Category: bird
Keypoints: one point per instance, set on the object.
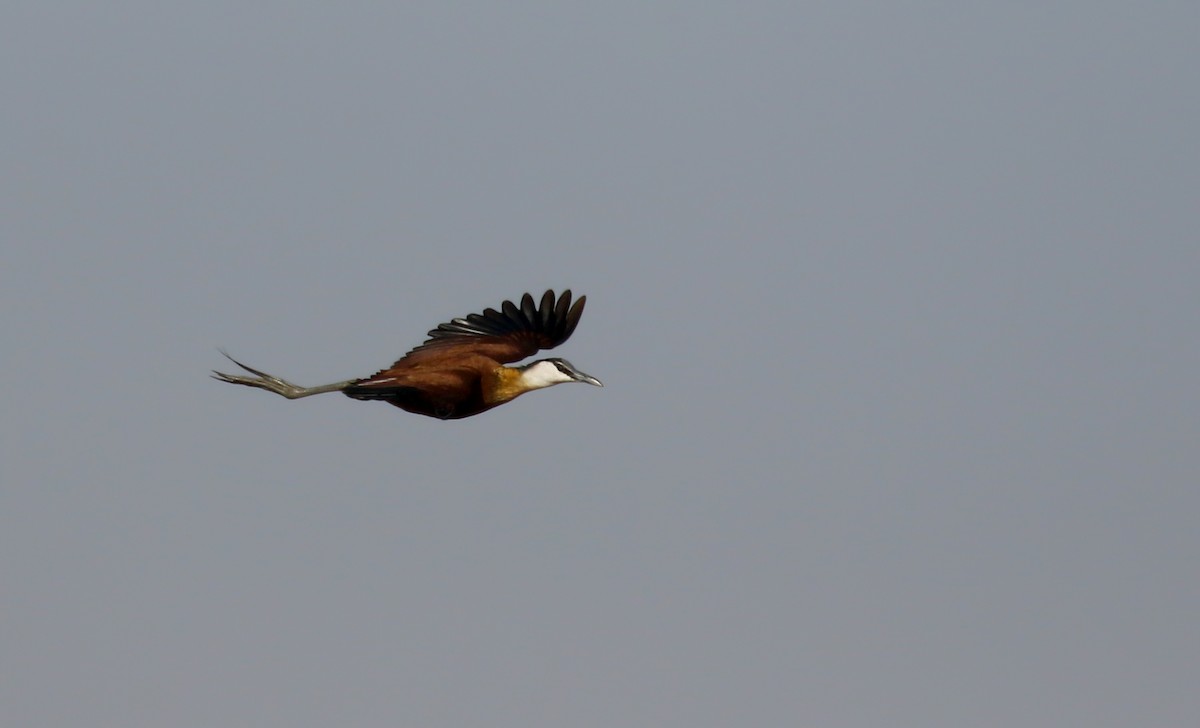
(459, 371)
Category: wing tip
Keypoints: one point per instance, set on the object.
(553, 320)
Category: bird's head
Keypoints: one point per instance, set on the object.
(548, 372)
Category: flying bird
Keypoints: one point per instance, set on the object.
(460, 369)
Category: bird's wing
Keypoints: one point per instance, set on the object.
(510, 334)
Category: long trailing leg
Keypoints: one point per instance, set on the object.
(271, 383)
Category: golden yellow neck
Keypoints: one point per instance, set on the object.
(504, 384)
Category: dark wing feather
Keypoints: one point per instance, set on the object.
(510, 334)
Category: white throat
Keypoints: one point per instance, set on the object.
(543, 374)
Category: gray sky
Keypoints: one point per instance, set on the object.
(895, 306)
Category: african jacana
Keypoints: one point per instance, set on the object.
(459, 371)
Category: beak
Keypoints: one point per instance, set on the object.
(581, 377)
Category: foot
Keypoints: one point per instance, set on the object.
(261, 380)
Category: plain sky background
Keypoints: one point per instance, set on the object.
(896, 306)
